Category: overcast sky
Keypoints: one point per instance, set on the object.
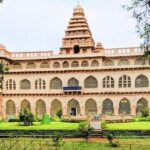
(33, 25)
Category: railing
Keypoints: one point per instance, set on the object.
(72, 88)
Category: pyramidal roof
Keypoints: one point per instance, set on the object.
(78, 31)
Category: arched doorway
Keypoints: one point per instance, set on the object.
(55, 107)
(108, 107)
(25, 105)
(73, 108)
(90, 107)
(10, 108)
(40, 108)
(124, 107)
(76, 49)
(141, 104)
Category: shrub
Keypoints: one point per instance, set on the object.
(103, 125)
(145, 112)
(13, 120)
(82, 125)
(59, 113)
(26, 117)
(56, 138)
(73, 120)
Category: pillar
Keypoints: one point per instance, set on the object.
(116, 110)
(133, 110)
(82, 111)
(1, 107)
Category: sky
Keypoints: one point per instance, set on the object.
(36, 25)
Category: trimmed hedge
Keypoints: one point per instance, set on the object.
(128, 133)
(39, 133)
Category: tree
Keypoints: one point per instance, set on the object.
(141, 12)
(59, 113)
(1, 1)
(26, 117)
(145, 112)
(3, 70)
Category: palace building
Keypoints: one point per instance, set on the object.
(83, 79)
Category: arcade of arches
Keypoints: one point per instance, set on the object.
(74, 107)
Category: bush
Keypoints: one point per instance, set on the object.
(59, 113)
(145, 112)
(73, 120)
(140, 119)
(56, 138)
(103, 125)
(82, 125)
(13, 120)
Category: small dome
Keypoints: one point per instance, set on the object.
(78, 9)
(99, 45)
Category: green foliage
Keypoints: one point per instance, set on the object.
(112, 142)
(103, 125)
(56, 138)
(145, 112)
(86, 131)
(141, 12)
(72, 120)
(82, 125)
(46, 119)
(26, 117)
(14, 120)
(59, 113)
(3, 69)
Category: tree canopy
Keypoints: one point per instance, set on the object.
(141, 12)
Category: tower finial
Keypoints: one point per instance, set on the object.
(78, 2)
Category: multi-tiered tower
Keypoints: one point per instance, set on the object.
(78, 37)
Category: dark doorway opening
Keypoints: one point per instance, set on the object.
(76, 49)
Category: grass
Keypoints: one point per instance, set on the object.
(39, 126)
(129, 126)
(32, 143)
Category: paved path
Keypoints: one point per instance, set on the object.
(96, 125)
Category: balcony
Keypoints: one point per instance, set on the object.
(72, 89)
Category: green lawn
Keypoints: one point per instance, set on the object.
(129, 126)
(38, 126)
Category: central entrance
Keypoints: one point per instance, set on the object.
(73, 111)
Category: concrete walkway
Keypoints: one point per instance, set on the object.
(96, 125)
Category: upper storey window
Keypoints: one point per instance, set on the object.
(123, 62)
(90, 82)
(124, 81)
(139, 61)
(65, 64)
(55, 83)
(10, 84)
(76, 49)
(75, 64)
(56, 65)
(108, 62)
(141, 81)
(31, 65)
(95, 63)
(40, 84)
(44, 65)
(84, 64)
(17, 66)
(73, 82)
(108, 82)
(25, 84)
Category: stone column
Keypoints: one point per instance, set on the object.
(64, 107)
(133, 110)
(82, 111)
(99, 109)
(1, 107)
(48, 109)
(116, 110)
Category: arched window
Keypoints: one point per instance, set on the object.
(16, 66)
(90, 107)
(40, 108)
(55, 83)
(10, 108)
(10, 84)
(31, 65)
(141, 81)
(73, 107)
(94, 63)
(107, 107)
(40, 84)
(139, 61)
(65, 64)
(56, 65)
(124, 106)
(73, 82)
(44, 65)
(84, 64)
(124, 81)
(90, 82)
(108, 82)
(25, 104)
(25, 84)
(55, 107)
(75, 64)
(141, 104)
(108, 62)
(123, 62)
